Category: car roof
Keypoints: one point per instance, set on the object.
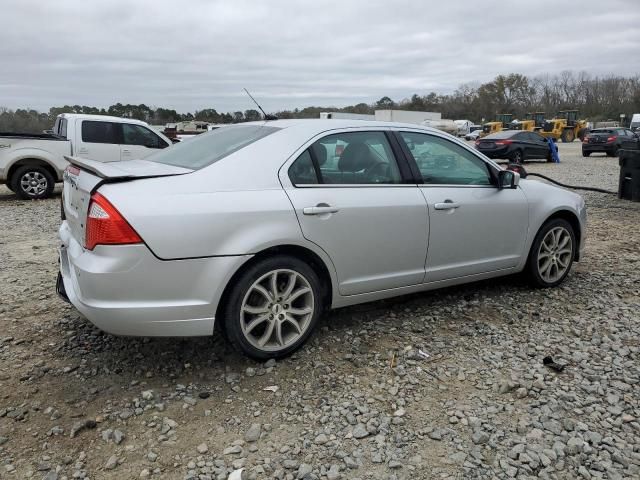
(315, 126)
(504, 134)
(104, 118)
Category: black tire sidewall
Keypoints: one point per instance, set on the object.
(231, 310)
(515, 154)
(19, 173)
(532, 262)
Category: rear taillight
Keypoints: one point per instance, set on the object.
(612, 138)
(106, 226)
(504, 142)
(477, 141)
(585, 139)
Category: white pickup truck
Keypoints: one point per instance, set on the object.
(30, 165)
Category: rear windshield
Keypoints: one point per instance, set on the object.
(208, 148)
(603, 130)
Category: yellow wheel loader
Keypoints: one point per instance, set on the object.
(503, 121)
(565, 127)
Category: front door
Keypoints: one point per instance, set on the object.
(139, 142)
(352, 200)
(474, 226)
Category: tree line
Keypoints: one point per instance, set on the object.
(597, 98)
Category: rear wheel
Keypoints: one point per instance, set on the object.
(613, 153)
(32, 182)
(567, 136)
(552, 253)
(517, 156)
(273, 307)
(586, 154)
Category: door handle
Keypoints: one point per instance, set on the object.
(126, 151)
(446, 205)
(319, 210)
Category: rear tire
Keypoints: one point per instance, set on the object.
(273, 307)
(614, 153)
(586, 154)
(552, 253)
(32, 182)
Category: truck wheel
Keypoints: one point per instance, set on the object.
(32, 182)
(567, 136)
(582, 133)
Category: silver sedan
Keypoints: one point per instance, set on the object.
(259, 228)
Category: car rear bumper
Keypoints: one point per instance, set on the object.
(126, 290)
(595, 147)
(502, 152)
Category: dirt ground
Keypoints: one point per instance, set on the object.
(360, 401)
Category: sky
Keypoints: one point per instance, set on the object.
(197, 54)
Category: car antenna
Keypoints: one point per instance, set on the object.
(266, 117)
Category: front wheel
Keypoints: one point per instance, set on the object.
(32, 182)
(273, 307)
(552, 253)
(517, 156)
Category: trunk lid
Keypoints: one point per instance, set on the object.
(83, 177)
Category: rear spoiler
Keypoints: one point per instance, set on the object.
(129, 169)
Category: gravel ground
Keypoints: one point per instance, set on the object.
(361, 400)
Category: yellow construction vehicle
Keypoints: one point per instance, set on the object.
(565, 127)
(532, 122)
(503, 120)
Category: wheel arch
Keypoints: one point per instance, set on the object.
(573, 220)
(35, 162)
(297, 251)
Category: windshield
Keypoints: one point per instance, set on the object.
(210, 147)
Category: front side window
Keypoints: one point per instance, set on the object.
(99, 132)
(139, 135)
(358, 158)
(442, 162)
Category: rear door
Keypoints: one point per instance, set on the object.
(139, 141)
(474, 226)
(352, 198)
(98, 140)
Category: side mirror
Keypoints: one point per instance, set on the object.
(508, 179)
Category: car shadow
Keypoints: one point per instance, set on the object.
(211, 357)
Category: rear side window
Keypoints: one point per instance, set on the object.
(353, 158)
(63, 128)
(208, 148)
(99, 132)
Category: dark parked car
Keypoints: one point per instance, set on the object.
(607, 140)
(515, 145)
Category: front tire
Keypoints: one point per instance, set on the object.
(517, 156)
(32, 182)
(567, 136)
(273, 307)
(552, 253)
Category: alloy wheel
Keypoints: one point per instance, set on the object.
(33, 184)
(277, 310)
(554, 254)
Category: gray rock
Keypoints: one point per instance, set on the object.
(360, 431)
(253, 433)
(112, 463)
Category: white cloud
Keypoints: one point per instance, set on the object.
(198, 54)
